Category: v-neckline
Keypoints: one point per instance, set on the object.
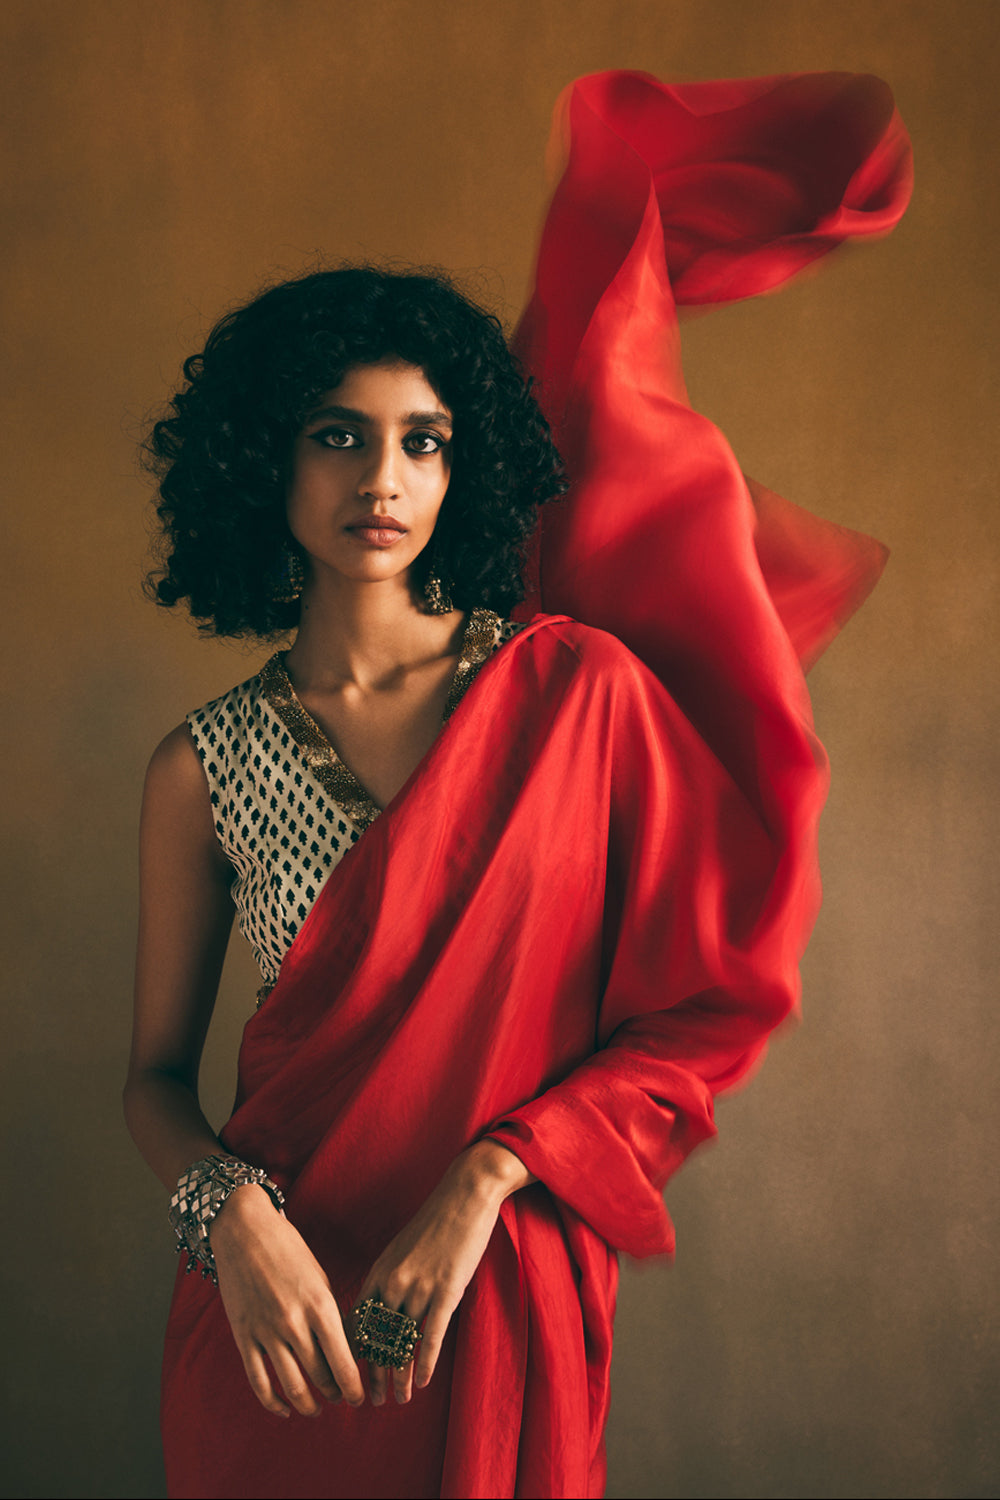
(333, 774)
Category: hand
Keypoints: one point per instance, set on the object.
(279, 1305)
(427, 1267)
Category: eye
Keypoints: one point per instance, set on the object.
(423, 442)
(336, 437)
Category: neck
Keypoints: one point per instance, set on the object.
(365, 633)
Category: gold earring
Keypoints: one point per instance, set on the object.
(288, 577)
(437, 598)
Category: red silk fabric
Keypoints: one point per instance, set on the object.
(583, 914)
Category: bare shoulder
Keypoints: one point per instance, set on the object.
(176, 802)
(175, 772)
(175, 759)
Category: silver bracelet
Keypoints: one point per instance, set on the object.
(201, 1192)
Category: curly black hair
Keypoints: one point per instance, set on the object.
(222, 455)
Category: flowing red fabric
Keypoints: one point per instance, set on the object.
(583, 914)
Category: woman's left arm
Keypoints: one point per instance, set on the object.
(425, 1270)
(706, 910)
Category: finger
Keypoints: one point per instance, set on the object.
(435, 1329)
(402, 1380)
(260, 1381)
(368, 1290)
(378, 1383)
(331, 1338)
(312, 1358)
(293, 1380)
(379, 1378)
(402, 1383)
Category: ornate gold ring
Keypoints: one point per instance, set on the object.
(384, 1337)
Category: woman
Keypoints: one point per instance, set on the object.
(552, 907)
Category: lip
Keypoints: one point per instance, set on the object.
(377, 531)
(377, 523)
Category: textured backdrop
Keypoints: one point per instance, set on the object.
(828, 1328)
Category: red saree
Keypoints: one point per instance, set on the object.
(583, 914)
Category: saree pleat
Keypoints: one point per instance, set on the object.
(583, 914)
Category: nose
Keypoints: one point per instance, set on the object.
(379, 479)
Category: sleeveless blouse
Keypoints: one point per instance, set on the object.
(286, 807)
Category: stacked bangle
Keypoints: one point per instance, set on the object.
(201, 1192)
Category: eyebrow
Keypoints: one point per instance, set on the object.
(351, 414)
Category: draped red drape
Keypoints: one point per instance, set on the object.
(584, 912)
(672, 196)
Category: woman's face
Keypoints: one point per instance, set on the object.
(370, 469)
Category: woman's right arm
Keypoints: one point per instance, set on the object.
(275, 1293)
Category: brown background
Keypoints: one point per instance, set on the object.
(827, 1328)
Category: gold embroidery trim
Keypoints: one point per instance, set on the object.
(337, 779)
(477, 647)
(314, 747)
